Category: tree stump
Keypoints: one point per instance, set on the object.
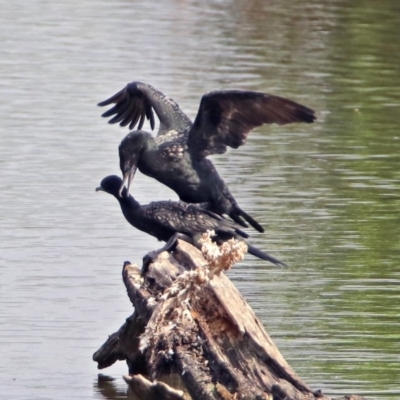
(191, 320)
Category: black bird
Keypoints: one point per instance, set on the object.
(177, 156)
(171, 220)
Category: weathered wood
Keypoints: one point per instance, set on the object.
(148, 390)
(189, 318)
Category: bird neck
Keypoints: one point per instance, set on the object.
(142, 140)
(128, 202)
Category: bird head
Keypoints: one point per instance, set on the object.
(111, 184)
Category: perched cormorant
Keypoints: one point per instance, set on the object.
(177, 156)
(170, 220)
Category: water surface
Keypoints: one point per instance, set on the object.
(328, 193)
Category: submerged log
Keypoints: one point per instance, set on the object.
(191, 320)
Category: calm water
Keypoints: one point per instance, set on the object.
(329, 193)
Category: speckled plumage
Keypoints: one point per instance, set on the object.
(164, 219)
(177, 156)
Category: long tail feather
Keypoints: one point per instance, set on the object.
(237, 214)
(264, 256)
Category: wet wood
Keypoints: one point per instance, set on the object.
(145, 389)
(191, 320)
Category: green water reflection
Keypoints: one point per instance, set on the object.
(337, 192)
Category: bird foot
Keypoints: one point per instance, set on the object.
(151, 257)
(169, 247)
(148, 259)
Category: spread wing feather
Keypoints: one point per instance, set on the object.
(226, 117)
(136, 102)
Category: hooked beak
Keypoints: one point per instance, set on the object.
(128, 178)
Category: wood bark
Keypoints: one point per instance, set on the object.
(190, 319)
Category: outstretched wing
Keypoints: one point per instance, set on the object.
(226, 117)
(136, 102)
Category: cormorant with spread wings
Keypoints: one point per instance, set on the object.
(176, 157)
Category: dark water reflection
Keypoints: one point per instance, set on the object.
(328, 193)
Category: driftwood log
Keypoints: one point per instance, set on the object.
(189, 319)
